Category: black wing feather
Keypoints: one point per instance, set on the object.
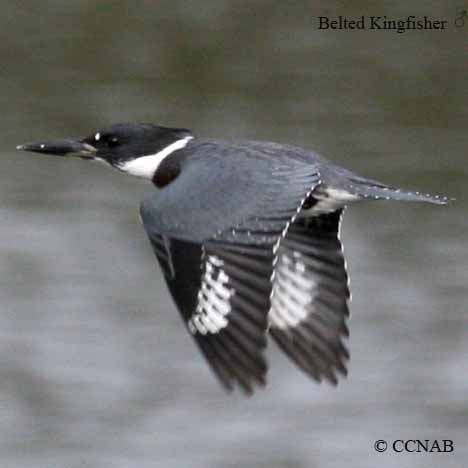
(310, 297)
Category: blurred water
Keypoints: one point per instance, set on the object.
(95, 367)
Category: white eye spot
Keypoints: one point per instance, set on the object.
(42, 146)
(97, 137)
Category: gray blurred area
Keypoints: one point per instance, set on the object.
(96, 369)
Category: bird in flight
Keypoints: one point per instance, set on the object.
(247, 236)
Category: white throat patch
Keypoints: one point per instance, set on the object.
(146, 166)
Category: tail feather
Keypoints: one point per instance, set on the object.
(366, 188)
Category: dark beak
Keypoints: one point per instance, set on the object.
(61, 148)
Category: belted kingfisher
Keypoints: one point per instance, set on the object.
(247, 235)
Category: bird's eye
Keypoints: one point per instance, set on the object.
(112, 141)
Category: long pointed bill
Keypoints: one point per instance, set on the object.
(60, 148)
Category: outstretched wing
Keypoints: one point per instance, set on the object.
(309, 304)
(215, 230)
(223, 296)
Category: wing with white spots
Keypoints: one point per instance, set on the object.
(309, 304)
(229, 319)
(215, 236)
(223, 293)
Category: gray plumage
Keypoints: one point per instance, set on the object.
(247, 235)
(223, 183)
(235, 197)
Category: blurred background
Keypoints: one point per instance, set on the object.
(96, 369)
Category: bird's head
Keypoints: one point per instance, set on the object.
(134, 148)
